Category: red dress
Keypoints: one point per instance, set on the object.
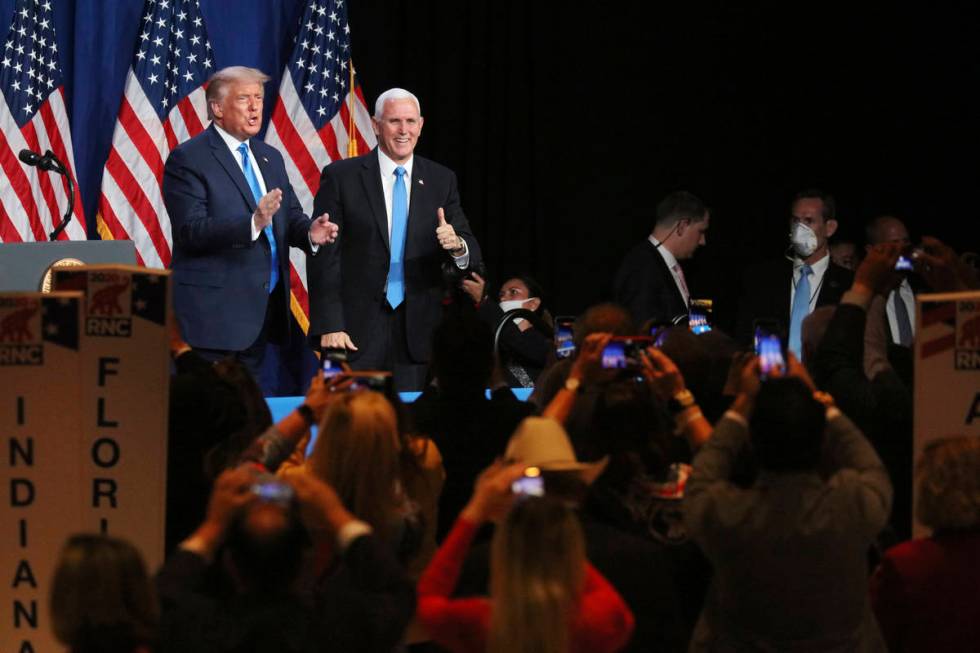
(603, 623)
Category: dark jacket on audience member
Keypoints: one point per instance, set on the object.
(470, 432)
(766, 291)
(364, 606)
(521, 352)
(880, 407)
(790, 552)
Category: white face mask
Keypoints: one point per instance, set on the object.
(803, 239)
(511, 304)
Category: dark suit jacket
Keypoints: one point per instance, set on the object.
(362, 607)
(645, 286)
(347, 279)
(766, 290)
(221, 276)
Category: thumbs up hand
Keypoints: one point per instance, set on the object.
(447, 235)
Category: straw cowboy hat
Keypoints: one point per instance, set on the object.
(542, 442)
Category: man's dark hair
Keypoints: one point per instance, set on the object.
(680, 205)
(462, 351)
(787, 426)
(268, 562)
(829, 204)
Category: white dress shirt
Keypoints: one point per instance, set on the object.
(675, 269)
(816, 279)
(233, 145)
(905, 293)
(388, 185)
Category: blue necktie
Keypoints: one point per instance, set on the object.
(902, 319)
(399, 225)
(801, 308)
(253, 183)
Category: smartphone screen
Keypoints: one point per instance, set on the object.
(564, 344)
(531, 484)
(770, 350)
(273, 491)
(904, 263)
(614, 355)
(700, 316)
(332, 361)
(659, 334)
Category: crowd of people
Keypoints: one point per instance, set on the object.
(694, 498)
(666, 487)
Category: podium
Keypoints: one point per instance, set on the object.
(23, 266)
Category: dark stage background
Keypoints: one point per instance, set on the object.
(567, 122)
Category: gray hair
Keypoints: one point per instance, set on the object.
(222, 79)
(394, 94)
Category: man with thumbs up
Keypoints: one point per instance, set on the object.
(377, 291)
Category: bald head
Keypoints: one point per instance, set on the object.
(886, 229)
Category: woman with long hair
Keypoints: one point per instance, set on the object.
(545, 597)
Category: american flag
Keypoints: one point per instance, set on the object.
(317, 119)
(33, 116)
(163, 106)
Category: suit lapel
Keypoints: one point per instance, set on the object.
(371, 179)
(271, 181)
(227, 161)
(415, 203)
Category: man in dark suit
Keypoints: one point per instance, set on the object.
(377, 292)
(650, 281)
(234, 216)
(769, 289)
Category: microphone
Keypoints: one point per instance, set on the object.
(30, 157)
(49, 163)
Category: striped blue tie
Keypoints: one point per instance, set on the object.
(253, 183)
(399, 226)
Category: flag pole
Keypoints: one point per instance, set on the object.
(351, 133)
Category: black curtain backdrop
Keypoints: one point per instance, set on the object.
(567, 122)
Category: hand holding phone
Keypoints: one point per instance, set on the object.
(770, 347)
(564, 343)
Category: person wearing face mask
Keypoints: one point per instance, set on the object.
(788, 289)
(525, 347)
(650, 282)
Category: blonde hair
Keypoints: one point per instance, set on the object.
(949, 484)
(537, 574)
(220, 81)
(357, 452)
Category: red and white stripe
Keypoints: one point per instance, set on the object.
(131, 204)
(306, 152)
(33, 202)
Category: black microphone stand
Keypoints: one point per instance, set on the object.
(51, 162)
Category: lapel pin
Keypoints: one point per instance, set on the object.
(421, 182)
(265, 160)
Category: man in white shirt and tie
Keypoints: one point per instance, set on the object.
(790, 288)
(650, 282)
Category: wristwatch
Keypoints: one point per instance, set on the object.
(680, 402)
(306, 413)
(573, 384)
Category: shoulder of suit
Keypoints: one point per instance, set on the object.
(352, 165)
